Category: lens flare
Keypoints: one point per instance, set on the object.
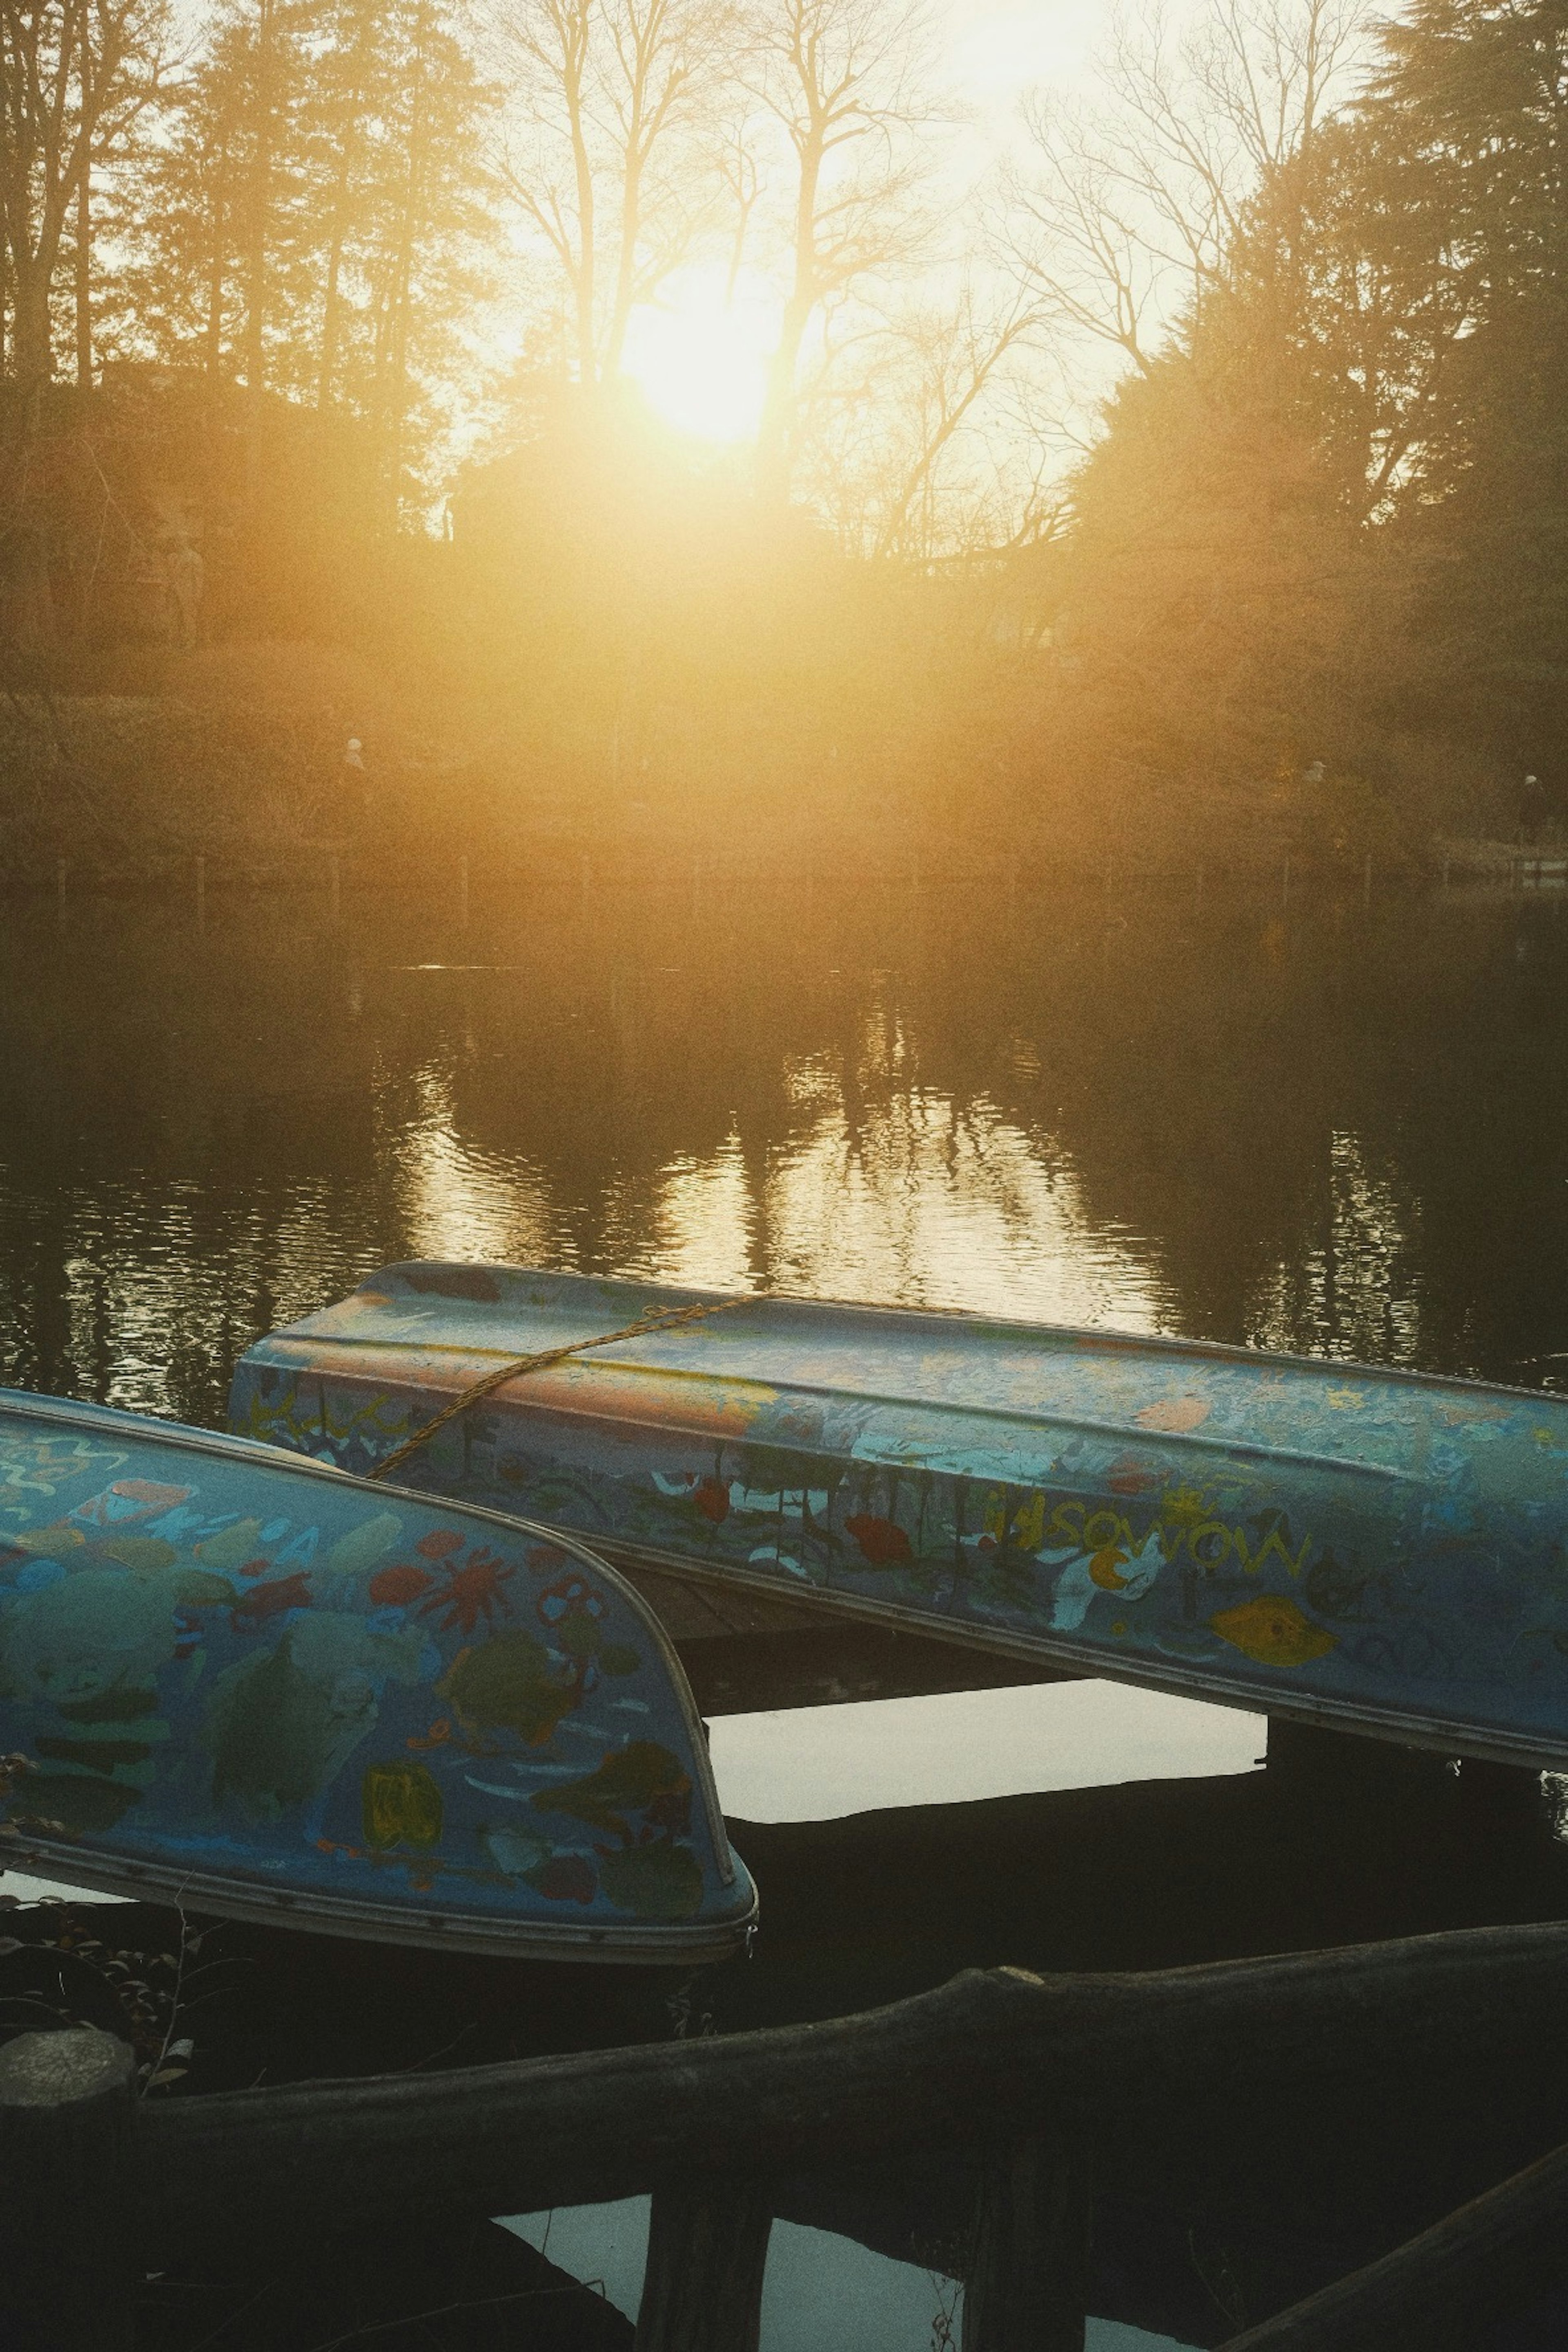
(699, 355)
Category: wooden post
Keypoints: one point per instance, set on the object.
(201, 894)
(707, 2253)
(585, 887)
(463, 892)
(335, 876)
(60, 887)
(1285, 892)
(1367, 882)
(696, 886)
(1199, 899)
(1029, 2275)
(68, 2191)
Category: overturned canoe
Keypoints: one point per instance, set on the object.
(264, 1689)
(1381, 1549)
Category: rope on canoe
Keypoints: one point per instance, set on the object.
(657, 1318)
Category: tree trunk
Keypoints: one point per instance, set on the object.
(775, 439)
(392, 403)
(34, 359)
(260, 203)
(587, 354)
(212, 335)
(333, 303)
(84, 227)
(83, 286)
(776, 435)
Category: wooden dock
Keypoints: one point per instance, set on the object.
(101, 2188)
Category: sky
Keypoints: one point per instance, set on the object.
(1000, 49)
(701, 353)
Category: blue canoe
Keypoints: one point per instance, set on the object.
(258, 1686)
(1377, 1550)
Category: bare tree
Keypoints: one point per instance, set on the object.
(610, 101)
(1128, 208)
(956, 355)
(739, 171)
(670, 57)
(545, 46)
(1081, 238)
(74, 75)
(848, 82)
(1272, 71)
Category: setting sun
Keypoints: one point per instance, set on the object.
(700, 355)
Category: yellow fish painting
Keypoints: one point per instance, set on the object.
(1273, 1630)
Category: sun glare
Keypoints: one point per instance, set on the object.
(701, 356)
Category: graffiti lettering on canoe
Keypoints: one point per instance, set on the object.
(126, 1500)
(42, 1465)
(1210, 1541)
(325, 1420)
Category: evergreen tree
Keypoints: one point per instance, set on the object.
(1334, 513)
(312, 219)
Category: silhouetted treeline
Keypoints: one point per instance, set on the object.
(1328, 525)
(320, 326)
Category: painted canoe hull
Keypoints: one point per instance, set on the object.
(1380, 1549)
(265, 1688)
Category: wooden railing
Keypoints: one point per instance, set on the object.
(98, 2188)
(578, 882)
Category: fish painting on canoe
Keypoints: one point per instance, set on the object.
(236, 1676)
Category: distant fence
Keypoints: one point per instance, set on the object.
(580, 879)
(98, 2188)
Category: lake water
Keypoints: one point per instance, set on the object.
(1318, 1126)
(1330, 1130)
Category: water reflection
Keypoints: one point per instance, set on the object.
(821, 2293)
(1340, 1133)
(818, 1764)
(1344, 1135)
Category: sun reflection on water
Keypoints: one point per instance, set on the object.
(1216, 1141)
(903, 1198)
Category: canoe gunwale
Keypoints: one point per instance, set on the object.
(344, 1915)
(1230, 1449)
(327, 1915)
(1006, 1327)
